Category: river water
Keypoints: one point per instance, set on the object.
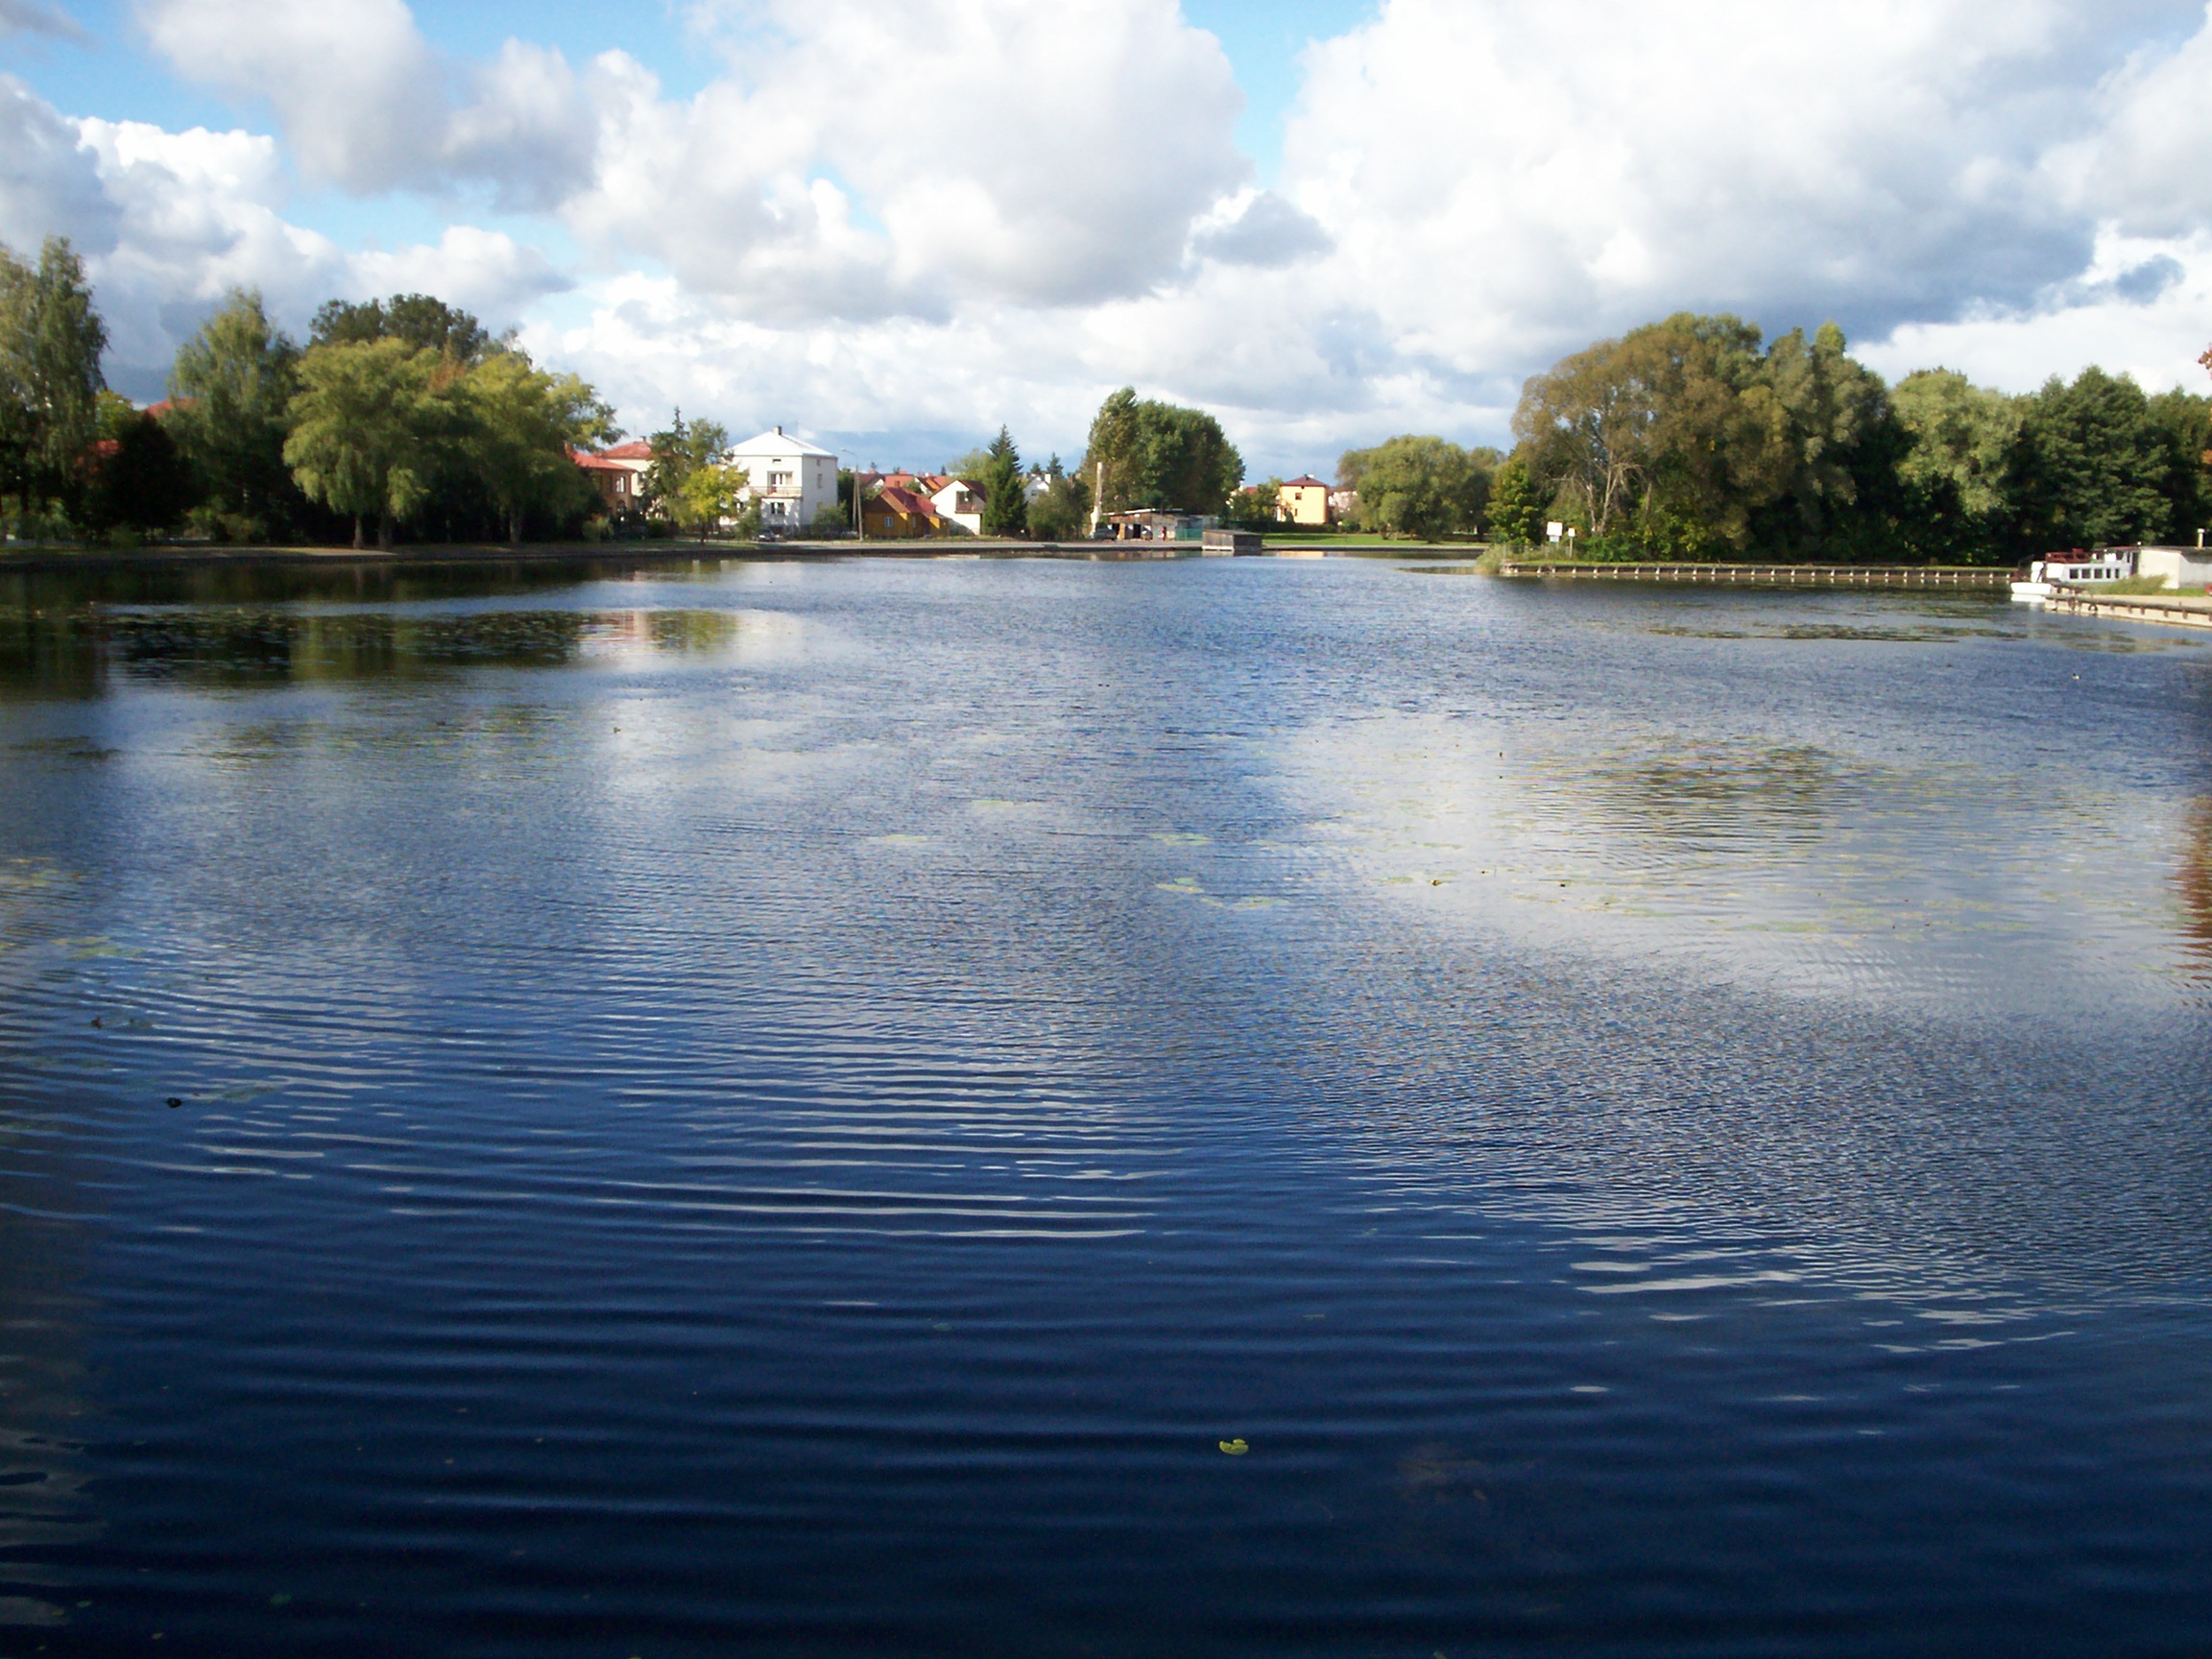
(1030, 1108)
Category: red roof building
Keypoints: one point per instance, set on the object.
(618, 474)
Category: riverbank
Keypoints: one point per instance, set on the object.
(645, 554)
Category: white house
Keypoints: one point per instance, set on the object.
(959, 501)
(792, 479)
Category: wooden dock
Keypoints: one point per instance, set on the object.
(2174, 609)
(1969, 576)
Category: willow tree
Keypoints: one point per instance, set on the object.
(364, 425)
(521, 428)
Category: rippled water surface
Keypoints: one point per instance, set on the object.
(1224, 1107)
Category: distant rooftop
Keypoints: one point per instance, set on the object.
(779, 443)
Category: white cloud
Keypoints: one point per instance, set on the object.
(201, 213)
(873, 160)
(485, 271)
(359, 92)
(942, 214)
(49, 186)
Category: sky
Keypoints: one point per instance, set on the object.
(895, 227)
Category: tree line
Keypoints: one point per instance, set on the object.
(1695, 438)
(398, 411)
(407, 414)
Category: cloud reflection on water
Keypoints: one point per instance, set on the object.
(1793, 865)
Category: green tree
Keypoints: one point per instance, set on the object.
(1005, 491)
(232, 390)
(425, 322)
(1685, 439)
(1957, 467)
(1415, 485)
(1162, 456)
(365, 423)
(1258, 507)
(2091, 467)
(521, 427)
(1843, 444)
(715, 491)
(1516, 517)
(137, 479)
(681, 449)
(2186, 420)
(1062, 509)
(1661, 442)
(51, 338)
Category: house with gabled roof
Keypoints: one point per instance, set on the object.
(959, 501)
(1303, 500)
(892, 513)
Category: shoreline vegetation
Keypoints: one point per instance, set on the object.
(1695, 439)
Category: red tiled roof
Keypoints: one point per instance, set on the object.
(592, 462)
(638, 449)
(906, 501)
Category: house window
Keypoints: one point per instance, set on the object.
(779, 480)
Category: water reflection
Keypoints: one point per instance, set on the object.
(2195, 881)
(1797, 865)
(51, 652)
(42, 1367)
(678, 1159)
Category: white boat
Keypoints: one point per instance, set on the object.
(2057, 573)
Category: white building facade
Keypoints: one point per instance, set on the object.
(960, 503)
(792, 479)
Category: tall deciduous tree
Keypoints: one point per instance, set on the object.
(684, 450)
(520, 428)
(1005, 491)
(1162, 456)
(1956, 466)
(2091, 466)
(364, 424)
(1684, 438)
(232, 390)
(51, 338)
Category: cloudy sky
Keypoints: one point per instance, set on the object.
(896, 226)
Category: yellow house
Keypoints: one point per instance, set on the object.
(1303, 500)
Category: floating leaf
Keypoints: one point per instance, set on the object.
(1236, 1448)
